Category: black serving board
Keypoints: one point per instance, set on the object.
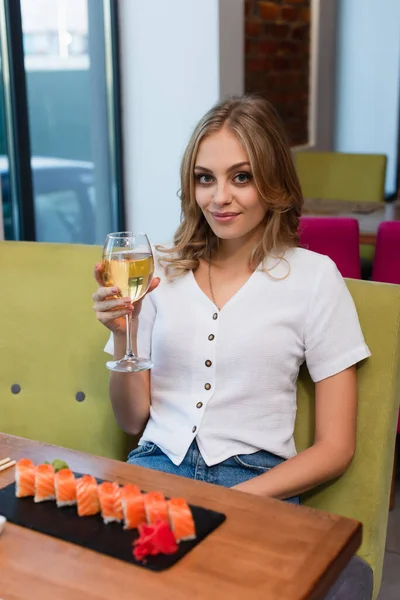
(92, 533)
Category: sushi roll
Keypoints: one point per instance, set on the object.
(132, 506)
(181, 519)
(65, 487)
(44, 483)
(86, 496)
(110, 502)
(156, 507)
(24, 478)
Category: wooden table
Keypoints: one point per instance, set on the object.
(368, 214)
(265, 549)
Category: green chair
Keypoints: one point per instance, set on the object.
(343, 176)
(51, 346)
(363, 491)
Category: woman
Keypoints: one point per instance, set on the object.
(234, 311)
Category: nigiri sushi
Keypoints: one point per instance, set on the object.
(44, 483)
(24, 478)
(110, 501)
(87, 496)
(65, 487)
(132, 506)
(181, 519)
(156, 507)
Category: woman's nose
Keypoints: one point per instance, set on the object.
(222, 194)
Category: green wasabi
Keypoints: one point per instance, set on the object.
(57, 464)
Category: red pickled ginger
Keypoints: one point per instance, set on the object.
(154, 539)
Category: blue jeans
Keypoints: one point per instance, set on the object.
(356, 580)
(228, 473)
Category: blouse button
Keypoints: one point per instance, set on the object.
(208, 363)
(194, 429)
(211, 337)
(199, 405)
(215, 316)
(207, 386)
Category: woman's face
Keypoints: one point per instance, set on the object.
(225, 189)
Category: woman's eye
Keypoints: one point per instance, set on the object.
(242, 178)
(204, 179)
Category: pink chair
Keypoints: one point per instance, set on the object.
(387, 253)
(336, 237)
(387, 258)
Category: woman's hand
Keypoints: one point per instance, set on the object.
(110, 309)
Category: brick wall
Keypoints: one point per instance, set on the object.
(277, 54)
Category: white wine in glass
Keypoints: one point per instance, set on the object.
(129, 265)
(131, 272)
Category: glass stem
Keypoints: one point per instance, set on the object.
(129, 350)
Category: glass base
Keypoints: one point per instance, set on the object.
(129, 364)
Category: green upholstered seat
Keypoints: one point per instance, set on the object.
(343, 176)
(52, 346)
(363, 491)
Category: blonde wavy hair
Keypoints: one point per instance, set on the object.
(260, 131)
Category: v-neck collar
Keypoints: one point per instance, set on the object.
(231, 300)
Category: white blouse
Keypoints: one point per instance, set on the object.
(228, 378)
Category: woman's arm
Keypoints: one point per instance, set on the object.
(129, 392)
(334, 445)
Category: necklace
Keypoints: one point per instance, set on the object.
(211, 288)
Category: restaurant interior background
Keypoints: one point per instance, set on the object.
(98, 98)
(111, 98)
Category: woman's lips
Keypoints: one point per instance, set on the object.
(225, 217)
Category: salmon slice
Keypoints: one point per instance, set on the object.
(86, 496)
(132, 506)
(44, 483)
(65, 486)
(156, 507)
(181, 518)
(110, 501)
(24, 478)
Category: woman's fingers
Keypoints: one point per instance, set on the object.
(107, 317)
(155, 283)
(107, 305)
(104, 292)
(98, 274)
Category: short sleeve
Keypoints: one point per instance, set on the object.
(333, 337)
(146, 322)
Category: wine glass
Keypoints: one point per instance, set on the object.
(129, 265)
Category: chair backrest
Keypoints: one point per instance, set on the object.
(386, 266)
(337, 237)
(387, 253)
(52, 347)
(363, 491)
(342, 176)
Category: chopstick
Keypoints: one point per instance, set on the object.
(6, 463)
